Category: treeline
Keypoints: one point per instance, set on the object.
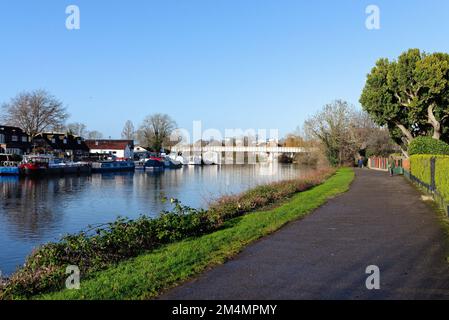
(39, 111)
(339, 134)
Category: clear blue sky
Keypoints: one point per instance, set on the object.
(230, 63)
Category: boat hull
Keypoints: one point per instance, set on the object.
(117, 166)
(9, 171)
(69, 170)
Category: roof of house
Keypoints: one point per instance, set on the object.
(58, 143)
(11, 130)
(109, 144)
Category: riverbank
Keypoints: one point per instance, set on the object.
(148, 275)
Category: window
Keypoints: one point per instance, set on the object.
(53, 140)
(14, 138)
(24, 139)
(65, 141)
(79, 141)
(2, 138)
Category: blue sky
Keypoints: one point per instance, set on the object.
(231, 64)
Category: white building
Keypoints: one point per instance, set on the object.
(117, 148)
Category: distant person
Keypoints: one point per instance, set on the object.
(391, 166)
(360, 163)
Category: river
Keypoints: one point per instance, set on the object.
(36, 211)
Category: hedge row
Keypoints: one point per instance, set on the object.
(420, 168)
(103, 246)
(442, 176)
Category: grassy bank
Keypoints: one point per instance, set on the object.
(147, 275)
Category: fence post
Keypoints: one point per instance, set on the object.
(432, 174)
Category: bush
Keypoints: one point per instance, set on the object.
(420, 167)
(101, 246)
(442, 176)
(428, 145)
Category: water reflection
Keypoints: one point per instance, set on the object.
(35, 211)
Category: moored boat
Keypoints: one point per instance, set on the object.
(154, 164)
(38, 165)
(169, 163)
(8, 165)
(113, 166)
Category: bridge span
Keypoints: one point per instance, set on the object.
(231, 149)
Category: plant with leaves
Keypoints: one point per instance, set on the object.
(410, 96)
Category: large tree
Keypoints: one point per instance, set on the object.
(410, 96)
(345, 133)
(155, 131)
(35, 112)
(128, 132)
(331, 126)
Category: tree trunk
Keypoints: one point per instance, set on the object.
(408, 135)
(434, 122)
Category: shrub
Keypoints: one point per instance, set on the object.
(428, 145)
(101, 246)
(420, 167)
(442, 176)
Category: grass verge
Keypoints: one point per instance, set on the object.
(147, 275)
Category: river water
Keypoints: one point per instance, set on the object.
(36, 211)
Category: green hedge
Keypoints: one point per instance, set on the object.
(428, 145)
(420, 167)
(442, 176)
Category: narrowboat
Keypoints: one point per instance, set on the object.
(113, 166)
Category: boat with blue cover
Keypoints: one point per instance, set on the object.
(113, 166)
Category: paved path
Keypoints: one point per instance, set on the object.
(380, 221)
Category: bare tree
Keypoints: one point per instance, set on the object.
(155, 131)
(128, 132)
(94, 135)
(35, 112)
(77, 128)
(347, 134)
(331, 126)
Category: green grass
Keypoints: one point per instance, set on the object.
(148, 275)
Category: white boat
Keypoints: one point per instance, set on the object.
(179, 158)
(195, 160)
(211, 158)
